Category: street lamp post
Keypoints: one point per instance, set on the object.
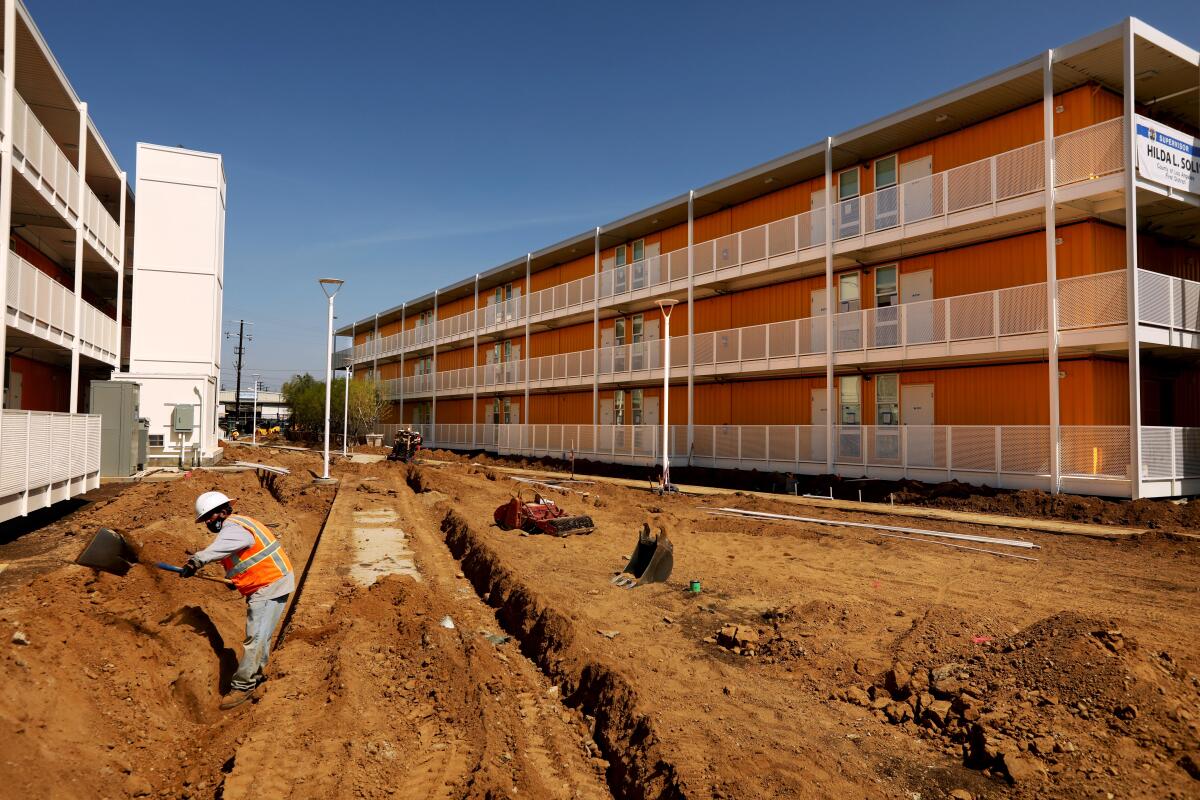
(666, 306)
(330, 287)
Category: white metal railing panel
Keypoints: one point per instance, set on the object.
(1088, 153)
(1092, 301)
(39, 449)
(1168, 302)
(1094, 451)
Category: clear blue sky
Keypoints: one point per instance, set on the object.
(403, 146)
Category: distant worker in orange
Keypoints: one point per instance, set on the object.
(256, 563)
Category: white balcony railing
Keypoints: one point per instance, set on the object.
(1170, 453)
(1168, 302)
(39, 305)
(102, 230)
(45, 165)
(1082, 155)
(979, 453)
(46, 458)
(1085, 302)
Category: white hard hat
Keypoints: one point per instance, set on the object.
(206, 502)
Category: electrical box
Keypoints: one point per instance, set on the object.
(117, 404)
(182, 419)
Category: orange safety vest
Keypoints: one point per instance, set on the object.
(260, 564)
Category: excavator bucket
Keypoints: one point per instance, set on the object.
(651, 562)
(109, 552)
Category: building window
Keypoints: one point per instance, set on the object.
(637, 323)
(848, 184)
(619, 331)
(636, 406)
(849, 298)
(887, 399)
(508, 412)
(622, 255)
(155, 440)
(619, 407)
(850, 407)
(885, 286)
(639, 250)
(885, 172)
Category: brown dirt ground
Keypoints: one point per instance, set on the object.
(1083, 678)
(815, 662)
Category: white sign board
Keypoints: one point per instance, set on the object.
(1167, 156)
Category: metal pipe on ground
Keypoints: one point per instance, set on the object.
(894, 528)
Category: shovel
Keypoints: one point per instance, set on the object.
(109, 552)
(651, 562)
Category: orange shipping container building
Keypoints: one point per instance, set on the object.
(995, 286)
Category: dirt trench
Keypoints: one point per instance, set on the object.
(625, 734)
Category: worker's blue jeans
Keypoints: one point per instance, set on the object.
(261, 618)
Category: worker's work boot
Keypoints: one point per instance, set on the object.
(235, 697)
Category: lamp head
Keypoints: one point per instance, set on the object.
(330, 286)
(666, 306)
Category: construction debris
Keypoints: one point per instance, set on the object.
(264, 467)
(877, 529)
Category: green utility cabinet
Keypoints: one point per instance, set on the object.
(117, 404)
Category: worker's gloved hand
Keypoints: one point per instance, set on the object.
(190, 568)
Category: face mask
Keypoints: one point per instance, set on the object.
(215, 525)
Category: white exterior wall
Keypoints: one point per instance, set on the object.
(178, 278)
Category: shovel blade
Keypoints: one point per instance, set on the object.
(108, 552)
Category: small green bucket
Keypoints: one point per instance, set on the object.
(694, 587)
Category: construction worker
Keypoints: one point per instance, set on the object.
(256, 563)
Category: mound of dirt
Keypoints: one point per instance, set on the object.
(1065, 700)
(117, 680)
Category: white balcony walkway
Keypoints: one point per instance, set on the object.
(1088, 161)
(41, 306)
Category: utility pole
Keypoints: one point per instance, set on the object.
(239, 351)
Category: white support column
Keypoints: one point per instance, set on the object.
(121, 276)
(6, 176)
(829, 303)
(475, 359)
(1131, 263)
(375, 344)
(596, 331)
(691, 330)
(525, 407)
(403, 308)
(1050, 195)
(82, 167)
(434, 376)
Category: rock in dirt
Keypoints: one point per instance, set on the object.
(20, 638)
(898, 678)
(1022, 769)
(857, 696)
(739, 636)
(938, 712)
(1190, 763)
(961, 794)
(137, 786)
